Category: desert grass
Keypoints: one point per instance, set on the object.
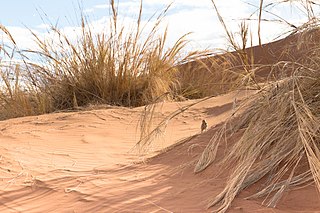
(118, 67)
(18, 100)
(279, 146)
(17, 97)
(281, 143)
(218, 72)
(280, 123)
(123, 66)
(211, 74)
(148, 133)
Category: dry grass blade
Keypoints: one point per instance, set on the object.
(124, 65)
(116, 67)
(6, 31)
(274, 140)
(301, 179)
(208, 75)
(17, 97)
(247, 64)
(147, 135)
(259, 22)
(273, 202)
(281, 144)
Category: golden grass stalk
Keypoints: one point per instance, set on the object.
(247, 73)
(207, 75)
(17, 97)
(281, 130)
(259, 22)
(147, 134)
(285, 140)
(115, 67)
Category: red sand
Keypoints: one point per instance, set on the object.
(82, 162)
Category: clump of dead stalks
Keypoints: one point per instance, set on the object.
(121, 65)
(280, 126)
(281, 139)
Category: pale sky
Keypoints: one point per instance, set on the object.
(184, 16)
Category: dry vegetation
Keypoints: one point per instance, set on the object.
(279, 146)
(119, 67)
(279, 149)
(282, 145)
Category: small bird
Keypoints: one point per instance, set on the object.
(204, 125)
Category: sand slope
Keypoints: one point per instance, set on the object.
(81, 162)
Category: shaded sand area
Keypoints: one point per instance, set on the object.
(82, 162)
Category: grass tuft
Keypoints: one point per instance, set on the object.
(123, 65)
(279, 146)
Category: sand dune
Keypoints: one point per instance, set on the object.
(81, 162)
(84, 162)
